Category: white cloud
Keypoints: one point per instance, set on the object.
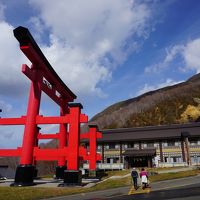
(11, 136)
(11, 59)
(88, 38)
(77, 70)
(50, 128)
(2, 8)
(147, 88)
(171, 53)
(7, 134)
(155, 68)
(86, 42)
(191, 55)
(6, 107)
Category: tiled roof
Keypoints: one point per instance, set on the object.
(174, 131)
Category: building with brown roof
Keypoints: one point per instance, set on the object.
(160, 146)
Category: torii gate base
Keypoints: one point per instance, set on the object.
(60, 172)
(24, 175)
(71, 177)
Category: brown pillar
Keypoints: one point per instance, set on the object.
(140, 145)
(185, 147)
(183, 150)
(102, 152)
(126, 162)
(188, 151)
(120, 152)
(149, 162)
(161, 151)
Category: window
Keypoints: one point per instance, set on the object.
(150, 144)
(108, 160)
(156, 145)
(165, 159)
(130, 145)
(112, 160)
(195, 159)
(165, 144)
(115, 160)
(136, 145)
(194, 142)
(171, 143)
(111, 146)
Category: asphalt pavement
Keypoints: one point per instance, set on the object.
(187, 192)
(177, 189)
(184, 188)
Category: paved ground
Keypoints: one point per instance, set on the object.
(185, 188)
(189, 192)
(173, 189)
(54, 183)
(39, 183)
(175, 183)
(49, 182)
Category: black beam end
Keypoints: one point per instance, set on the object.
(75, 105)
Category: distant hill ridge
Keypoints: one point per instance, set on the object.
(159, 107)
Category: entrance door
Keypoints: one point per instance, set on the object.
(142, 161)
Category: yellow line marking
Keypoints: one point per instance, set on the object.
(131, 190)
(138, 191)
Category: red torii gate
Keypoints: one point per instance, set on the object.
(69, 152)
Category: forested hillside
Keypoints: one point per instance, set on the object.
(169, 105)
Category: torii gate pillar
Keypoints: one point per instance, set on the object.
(26, 170)
(63, 139)
(72, 176)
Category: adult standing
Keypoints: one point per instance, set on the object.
(144, 178)
(134, 175)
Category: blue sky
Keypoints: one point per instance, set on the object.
(104, 50)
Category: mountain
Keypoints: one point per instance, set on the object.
(163, 106)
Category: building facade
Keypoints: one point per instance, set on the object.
(155, 146)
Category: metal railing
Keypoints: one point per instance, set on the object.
(106, 166)
(172, 164)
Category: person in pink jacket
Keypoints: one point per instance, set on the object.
(144, 178)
